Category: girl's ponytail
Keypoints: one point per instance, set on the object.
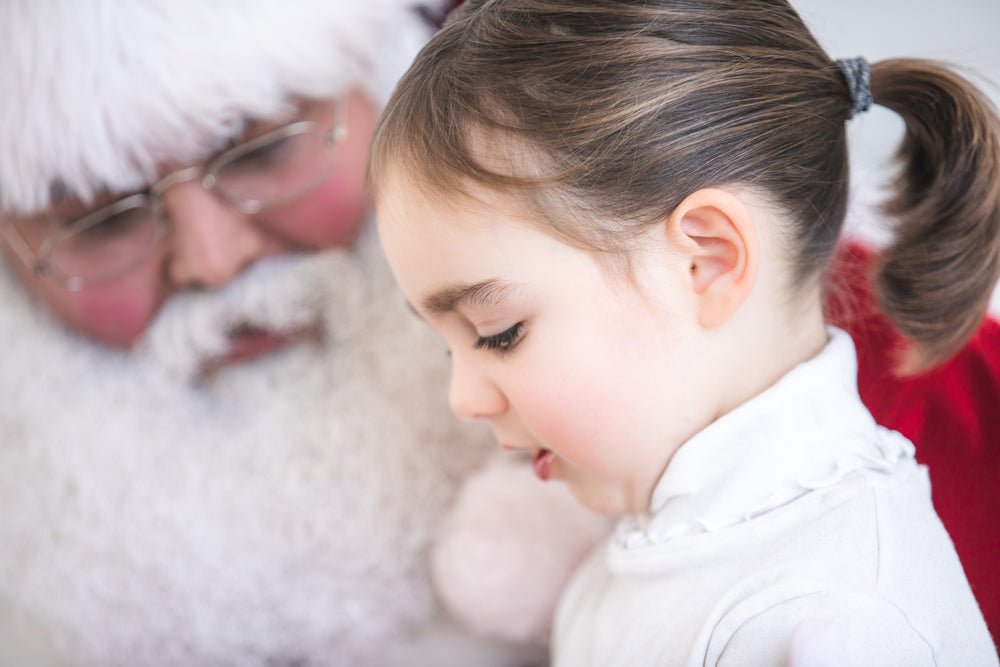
(936, 277)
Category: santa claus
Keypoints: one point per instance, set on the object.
(224, 440)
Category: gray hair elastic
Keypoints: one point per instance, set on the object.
(858, 74)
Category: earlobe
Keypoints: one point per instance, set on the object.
(720, 241)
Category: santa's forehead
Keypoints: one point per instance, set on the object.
(106, 92)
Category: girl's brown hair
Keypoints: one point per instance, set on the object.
(613, 111)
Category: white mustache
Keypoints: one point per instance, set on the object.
(284, 295)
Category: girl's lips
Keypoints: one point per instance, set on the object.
(542, 464)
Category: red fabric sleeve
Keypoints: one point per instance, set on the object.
(952, 415)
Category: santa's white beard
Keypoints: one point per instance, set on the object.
(276, 513)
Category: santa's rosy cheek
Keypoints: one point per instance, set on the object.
(331, 216)
(115, 318)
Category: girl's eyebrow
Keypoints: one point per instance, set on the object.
(485, 293)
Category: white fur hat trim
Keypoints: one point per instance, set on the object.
(97, 94)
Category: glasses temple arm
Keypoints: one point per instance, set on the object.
(20, 247)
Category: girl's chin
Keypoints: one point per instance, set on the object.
(602, 501)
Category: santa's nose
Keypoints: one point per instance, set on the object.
(211, 242)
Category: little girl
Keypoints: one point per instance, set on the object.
(619, 214)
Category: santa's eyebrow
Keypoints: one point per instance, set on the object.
(485, 293)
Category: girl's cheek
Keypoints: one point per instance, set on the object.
(565, 420)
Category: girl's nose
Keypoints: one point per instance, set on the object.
(472, 395)
(210, 242)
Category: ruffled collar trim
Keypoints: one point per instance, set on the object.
(806, 432)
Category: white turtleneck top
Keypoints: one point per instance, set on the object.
(792, 531)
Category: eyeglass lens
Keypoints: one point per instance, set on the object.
(289, 162)
(108, 246)
(270, 170)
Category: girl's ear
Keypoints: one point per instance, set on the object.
(719, 238)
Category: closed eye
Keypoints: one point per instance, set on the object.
(502, 342)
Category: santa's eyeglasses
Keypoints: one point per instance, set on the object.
(261, 174)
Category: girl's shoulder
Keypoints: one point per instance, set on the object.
(949, 413)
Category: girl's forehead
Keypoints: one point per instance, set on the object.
(470, 210)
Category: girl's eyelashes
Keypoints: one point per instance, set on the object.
(502, 342)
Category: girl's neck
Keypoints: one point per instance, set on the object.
(773, 338)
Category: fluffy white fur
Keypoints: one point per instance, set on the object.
(507, 549)
(100, 93)
(279, 514)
